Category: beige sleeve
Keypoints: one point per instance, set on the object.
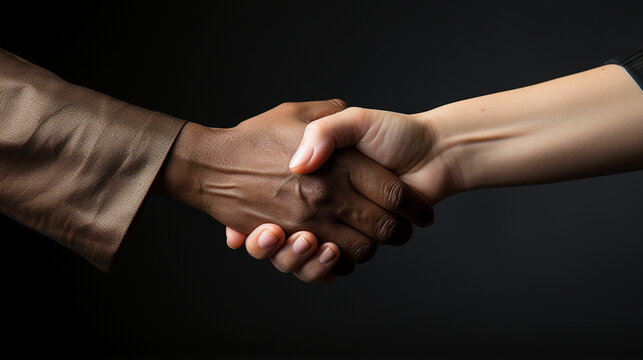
(75, 165)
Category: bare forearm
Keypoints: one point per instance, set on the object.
(586, 124)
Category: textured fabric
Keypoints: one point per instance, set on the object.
(75, 165)
(633, 63)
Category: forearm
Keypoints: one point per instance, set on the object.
(586, 124)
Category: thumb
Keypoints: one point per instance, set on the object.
(321, 137)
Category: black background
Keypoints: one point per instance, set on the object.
(540, 270)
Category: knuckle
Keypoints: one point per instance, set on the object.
(313, 195)
(362, 251)
(356, 113)
(394, 194)
(288, 106)
(315, 128)
(387, 227)
(314, 191)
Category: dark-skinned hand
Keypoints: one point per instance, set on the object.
(240, 176)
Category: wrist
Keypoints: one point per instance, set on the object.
(472, 140)
(170, 174)
(446, 154)
(576, 126)
(178, 178)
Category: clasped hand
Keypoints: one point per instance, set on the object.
(345, 202)
(395, 166)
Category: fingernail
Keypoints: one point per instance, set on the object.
(267, 239)
(301, 245)
(326, 256)
(302, 156)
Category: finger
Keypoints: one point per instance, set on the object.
(312, 110)
(296, 250)
(354, 245)
(321, 137)
(379, 225)
(264, 241)
(234, 239)
(387, 190)
(319, 266)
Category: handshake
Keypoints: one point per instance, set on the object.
(359, 178)
(334, 208)
(313, 186)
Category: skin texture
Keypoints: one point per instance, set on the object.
(240, 177)
(582, 125)
(312, 264)
(404, 144)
